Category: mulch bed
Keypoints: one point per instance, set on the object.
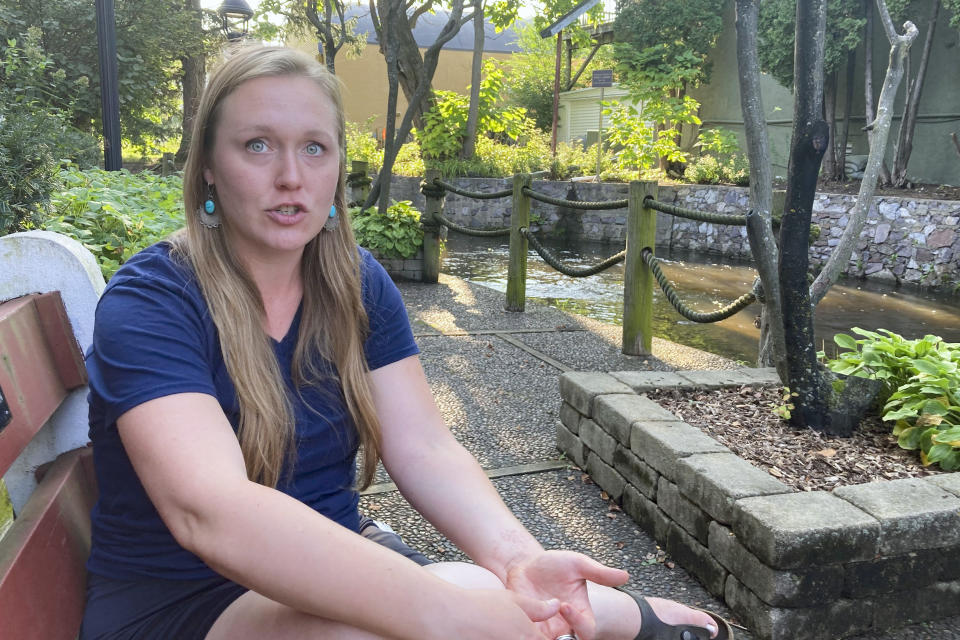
(744, 421)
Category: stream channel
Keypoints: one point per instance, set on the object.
(704, 282)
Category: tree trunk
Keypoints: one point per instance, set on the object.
(830, 113)
(809, 143)
(391, 45)
(869, 113)
(909, 122)
(194, 73)
(469, 144)
(763, 245)
(847, 113)
(899, 46)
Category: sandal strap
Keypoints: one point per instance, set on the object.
(653, 628)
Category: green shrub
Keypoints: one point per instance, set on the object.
(921, 393)
(363, 146)
(395, 235)
(115, 214)
(708, 169)
(445, 124)
(34, 137)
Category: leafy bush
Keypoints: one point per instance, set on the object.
(363, 146)
(708, 169)
(409, 161)
(921, 388)
(395, 235)
(115, 214)
(34, 137)
(445, 124)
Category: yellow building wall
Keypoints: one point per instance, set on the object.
(365, 81)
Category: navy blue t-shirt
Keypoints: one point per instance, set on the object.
(154, 337)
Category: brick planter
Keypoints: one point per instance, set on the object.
(793, 565)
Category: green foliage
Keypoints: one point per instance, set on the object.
(642, 145)
(397, 234)
(34, 137)
(445, 124)
(709, 169)
(361, 145)
(151, 39)
(115, 214)
(921, 388)
(776, 33)
(665, 44)
(721, 142)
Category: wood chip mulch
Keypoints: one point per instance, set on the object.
(744, 421)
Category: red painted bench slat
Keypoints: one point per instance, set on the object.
(41, 362)
(43, 555)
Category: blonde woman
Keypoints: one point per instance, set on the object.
(236, 370)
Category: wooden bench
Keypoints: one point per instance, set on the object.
(44, 551)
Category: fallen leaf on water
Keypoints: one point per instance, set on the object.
(604, 495)
(620, 545)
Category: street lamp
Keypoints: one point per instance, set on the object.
(235, 18)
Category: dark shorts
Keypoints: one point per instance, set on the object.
(182, 609)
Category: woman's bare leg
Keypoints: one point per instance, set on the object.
(253, 616)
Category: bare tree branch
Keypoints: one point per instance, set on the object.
(840, 257)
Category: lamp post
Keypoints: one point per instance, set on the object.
(109, 96)
(235, 19)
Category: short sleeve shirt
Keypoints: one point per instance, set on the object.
(154, 337)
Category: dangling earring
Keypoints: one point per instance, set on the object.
(333, 221)
(208, 211)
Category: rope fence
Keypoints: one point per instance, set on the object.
(692, 214)
(731, 309)
(573, 272)
(641, 267)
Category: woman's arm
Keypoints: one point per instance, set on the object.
(188, 459)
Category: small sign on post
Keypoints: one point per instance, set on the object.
(602, 78)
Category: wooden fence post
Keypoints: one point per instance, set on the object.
(431, 231)
(519, 219)
(637, 277)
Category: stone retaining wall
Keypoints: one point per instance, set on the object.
(403, 268)
(792, 565)
(904, 240)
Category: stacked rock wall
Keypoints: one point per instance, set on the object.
(905, 240)
(793, 565)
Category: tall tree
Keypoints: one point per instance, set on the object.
(476, 66)
(400, 49)
(152, 37)
(327, 20)
(817, 406)
(662, 50)
(194, 66)
(843, 33)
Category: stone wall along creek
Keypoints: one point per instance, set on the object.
(905, 240)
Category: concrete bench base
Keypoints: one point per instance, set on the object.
(805, 566)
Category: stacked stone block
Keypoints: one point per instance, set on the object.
(793, 565)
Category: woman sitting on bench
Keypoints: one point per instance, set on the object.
(235, 371)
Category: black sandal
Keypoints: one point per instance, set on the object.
(653, 628)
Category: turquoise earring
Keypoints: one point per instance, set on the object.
(333, 220)
(208, 213)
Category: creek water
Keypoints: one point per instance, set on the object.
(704, 282)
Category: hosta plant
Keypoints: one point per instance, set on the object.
(922, 388)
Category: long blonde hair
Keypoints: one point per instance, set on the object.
(333, 322)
